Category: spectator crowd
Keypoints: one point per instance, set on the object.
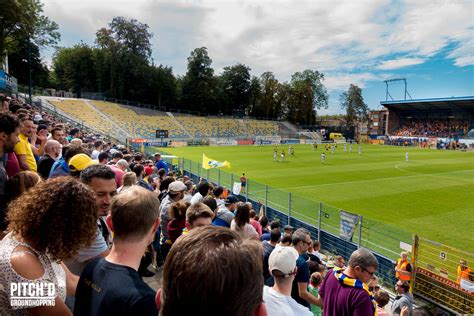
(450, 128)
(93, 218)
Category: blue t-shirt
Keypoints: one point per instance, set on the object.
(106, 288)
(302, 276)
(161, 164)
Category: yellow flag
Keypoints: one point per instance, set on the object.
(208, 163)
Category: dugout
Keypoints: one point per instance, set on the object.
(455, 108)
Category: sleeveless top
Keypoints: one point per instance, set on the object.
(53, 273)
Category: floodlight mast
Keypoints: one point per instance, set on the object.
(387, 93)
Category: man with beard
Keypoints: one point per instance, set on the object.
(9, 130)
(23, 148)
(101, 179)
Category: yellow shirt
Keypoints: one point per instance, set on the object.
(23, 147)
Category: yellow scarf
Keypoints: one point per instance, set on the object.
(344, 279)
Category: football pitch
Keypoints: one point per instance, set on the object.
(432, 194)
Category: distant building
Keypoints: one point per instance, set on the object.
(377, 122)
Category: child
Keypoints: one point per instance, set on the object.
(382, 298)
(313, 288)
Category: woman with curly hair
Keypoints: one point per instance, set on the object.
(47, 225)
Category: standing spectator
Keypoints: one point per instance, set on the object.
(268, 247)
(97, 149)
(198, 215)
(178, 220)
(103, 158)
(301, 239)
(464, 272)
(39, 240)
(160, 164)
(254, 222)
(73, 133)
(134, 218)
(57, 134)
(52, 151)
(119, 169)
(23, 149)
(61, 166)
(175, 194)
(191, 269)
(243, 182)
(188, 193)
(204, 189)
(403, 298)
(241, 222)
(9, 131)
(129, 179)
(314, 285)
(140, 173)
(345, 292)
(225, 214)
(278, 300)
(381, 298)
(273, 225)
(21, 183)
(403, 267)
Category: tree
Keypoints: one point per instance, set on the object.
(124, 58)
(74, 69)
(19, 68)
(21, 21)
(254, 96)
(353, 102)
(307, 93)
(197, 84)
(235, 88)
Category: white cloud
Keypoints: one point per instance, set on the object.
(344, 39)
(399, 63)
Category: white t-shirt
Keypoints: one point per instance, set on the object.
(197, 198)
(95, 154)
(281, 305)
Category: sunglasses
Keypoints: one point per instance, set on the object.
(371, 273)
(374, 288)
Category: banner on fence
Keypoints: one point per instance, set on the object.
(222, 142)
(348, 224)
(245, 142)
(236, 188)
(290, 141)
(175, 143)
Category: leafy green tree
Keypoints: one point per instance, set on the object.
(74, 69)
(19, 67)
(198, 83)
(353, 102)
(235, 88)
(254, 96)
(307, 94)
(22, 20)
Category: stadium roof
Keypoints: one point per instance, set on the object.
(454, 103)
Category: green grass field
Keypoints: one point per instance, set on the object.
(432, 194)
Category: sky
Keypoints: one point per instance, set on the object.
(430, 43)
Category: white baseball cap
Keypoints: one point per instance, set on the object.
(177, 186)
(283, 259)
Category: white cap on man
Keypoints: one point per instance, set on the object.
(283, 259)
